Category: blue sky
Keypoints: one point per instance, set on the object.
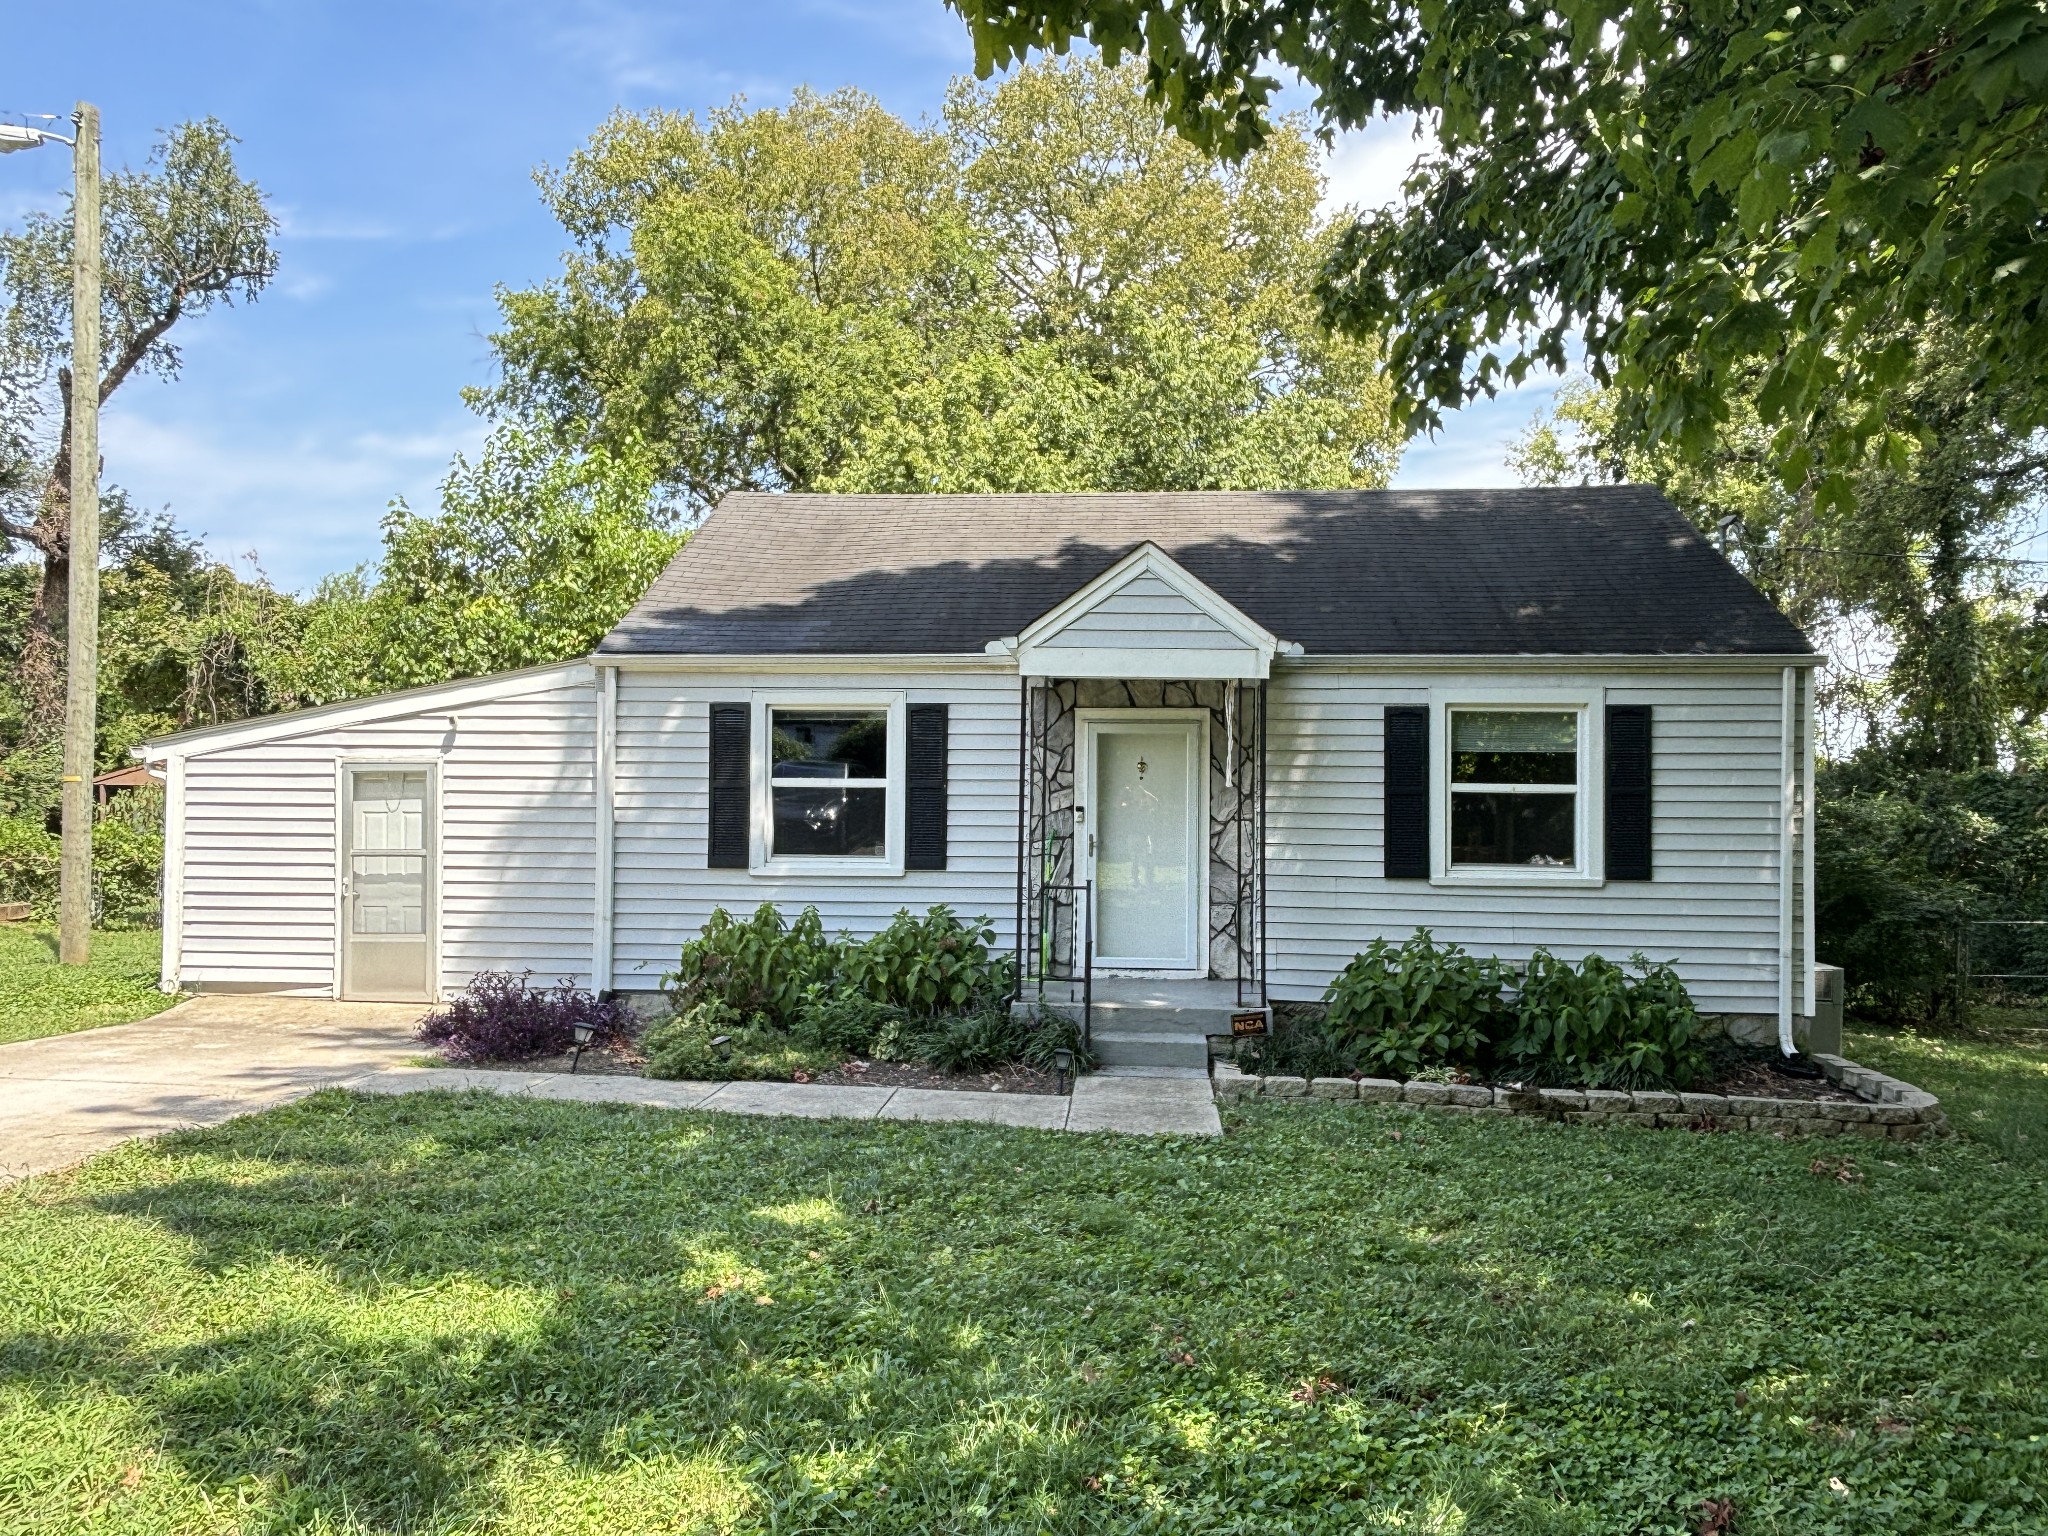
(397, 143)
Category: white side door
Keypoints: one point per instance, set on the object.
(1144, 799)
(388, 883)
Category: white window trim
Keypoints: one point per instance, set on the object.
(1589, 843)
(761, 797)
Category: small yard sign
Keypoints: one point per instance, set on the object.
(1250, 1023)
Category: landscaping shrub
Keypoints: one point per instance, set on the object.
(688, 1045)
(1594, 1023)
(1403, 1007)
(1300, 1045)
(931, 964)
(844, 1023)
(759, 966)
(499, 1017)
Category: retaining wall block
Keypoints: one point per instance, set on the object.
(1283, 1087)
(1814, 1126)
(1471, 1096)
(1869, 1129)
(1760, 1109)
(1893, 1114)
(1911, 1131)
(1833, 1111)
(1426, 1093)
(1332, 1088)
(1648, 1102)
(1715, 1104)
(1379, 1090)
(1230, 1083)
(1637, 1117)
(1832, 1066)
(1527, 1101)
(1564, 1098)
(1608, 1101)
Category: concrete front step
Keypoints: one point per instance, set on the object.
(1150, 1048)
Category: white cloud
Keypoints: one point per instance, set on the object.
(1472, 448)
(303, 503)
(1366, 166)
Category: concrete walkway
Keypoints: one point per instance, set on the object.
(1135, 1106)
(65, 1098)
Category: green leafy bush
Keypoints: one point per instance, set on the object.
(760, 966)
(684, 1045)
(1407, 1006)
(1902, 860)
(931, 964)
(1299, 1046)
(1595, 1023)
(127, 868)
(973, 1042)
(844, 1023)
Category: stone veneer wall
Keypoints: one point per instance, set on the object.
(1885, 1108)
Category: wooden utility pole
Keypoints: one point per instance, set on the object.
(82, 642)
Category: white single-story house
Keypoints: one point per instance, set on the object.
(1223, 735)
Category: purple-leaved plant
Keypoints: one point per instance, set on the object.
(499, 1017)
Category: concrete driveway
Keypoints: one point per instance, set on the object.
(204, 1061)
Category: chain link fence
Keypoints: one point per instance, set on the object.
(2003, 961)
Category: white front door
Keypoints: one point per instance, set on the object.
(1143, 802)
(387, 885)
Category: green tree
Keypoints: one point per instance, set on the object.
(532, 557)
(1045, 290)
(1920, 551)
(1723, 200)
(179, 237)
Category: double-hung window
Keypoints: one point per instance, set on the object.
(1514, 789)
(828, 783)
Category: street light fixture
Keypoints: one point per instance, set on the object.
(82, 544)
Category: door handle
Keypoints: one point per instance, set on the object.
(1091, 845)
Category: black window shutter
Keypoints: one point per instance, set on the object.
(1407, 807)
(732, 787)
(1628, 791)
(924, 819)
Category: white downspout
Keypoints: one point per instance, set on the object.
(602, 791)
(1809, 814)
(1788, 788)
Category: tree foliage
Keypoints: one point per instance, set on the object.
(1046, 290)
(1728, 199)
(1921, 553)
(184, 234)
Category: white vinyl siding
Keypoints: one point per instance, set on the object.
(1713, 905)
(517, 845)
(661, 813)
(1144, 614)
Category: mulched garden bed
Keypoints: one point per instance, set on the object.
(910, 1074)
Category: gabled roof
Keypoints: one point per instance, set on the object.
(1146, 616)
(1589, 570)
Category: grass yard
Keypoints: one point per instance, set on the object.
(40, 997)
(443, 1314)
(1992, 1081)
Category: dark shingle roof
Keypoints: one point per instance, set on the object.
(1602, 570)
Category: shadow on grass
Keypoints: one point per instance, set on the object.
(433, 1313)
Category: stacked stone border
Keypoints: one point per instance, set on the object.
(1884, 1108)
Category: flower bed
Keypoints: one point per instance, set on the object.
(1882, 1108)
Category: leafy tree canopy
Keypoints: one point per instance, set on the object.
(1918, 567)
(1046, 290)
(1728, 200)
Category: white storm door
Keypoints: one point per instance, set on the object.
(1144, 798)
(387, 885)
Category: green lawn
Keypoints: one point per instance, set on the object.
(40, 997)
(465, 1314)
(1992, 1081)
